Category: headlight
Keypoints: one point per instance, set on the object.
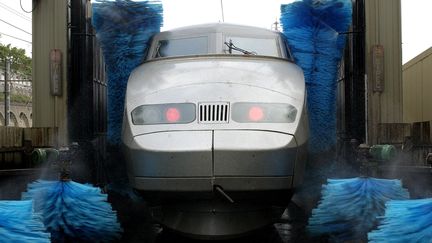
(263, 112)
(163, 114)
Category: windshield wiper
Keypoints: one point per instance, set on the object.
(158, 49)
(231, 47)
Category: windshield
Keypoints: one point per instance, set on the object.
(202, 45)
(182, 47)
(251, 46)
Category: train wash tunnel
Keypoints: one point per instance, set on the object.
(220, 131)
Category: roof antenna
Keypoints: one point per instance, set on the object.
(222, 9)
(275, 25)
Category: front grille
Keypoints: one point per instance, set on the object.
(213, 112)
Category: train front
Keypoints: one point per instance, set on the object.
(216, 140)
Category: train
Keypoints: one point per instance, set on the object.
(215, 129)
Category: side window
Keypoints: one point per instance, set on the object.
(287, 48)
(182, 47)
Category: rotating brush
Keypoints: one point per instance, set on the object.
(349, 207)
(72, 211)
(19, 223)
(123, 28)
(314, 30)
(405, 221)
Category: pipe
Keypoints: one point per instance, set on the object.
(42, 155)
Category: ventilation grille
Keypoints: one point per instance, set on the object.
(213, 112)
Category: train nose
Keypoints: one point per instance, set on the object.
(253, 160)
(253, 153)
(197, 160)
(171, 154)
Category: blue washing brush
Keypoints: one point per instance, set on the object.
(123, 29)
(18, 223)
(349, 207)
(405, 221)
(74, 211)
(313, 29)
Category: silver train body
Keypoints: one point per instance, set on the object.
(215, 128)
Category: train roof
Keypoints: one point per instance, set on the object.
(218, 28)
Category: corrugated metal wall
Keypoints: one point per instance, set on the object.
(49, 32)
(417, 88)
(79, 114)
(383, 27)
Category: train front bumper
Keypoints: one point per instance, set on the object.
(196, 161)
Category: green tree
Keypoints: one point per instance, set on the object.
(20, 63)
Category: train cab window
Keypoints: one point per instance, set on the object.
(182, 47)
(287, 49)
(251, 46)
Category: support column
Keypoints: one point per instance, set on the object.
(7, 92)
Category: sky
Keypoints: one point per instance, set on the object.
(179, 13)
(416, 19)
(15, 22)
(416, 27)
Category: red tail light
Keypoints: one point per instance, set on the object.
(256, 113)
(172, 115)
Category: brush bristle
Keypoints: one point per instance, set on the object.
(349, 207)
(313, 31)
(405, 221)
(19, 223)
(78, 211)
(123, 29)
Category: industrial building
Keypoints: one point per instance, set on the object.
(417, 83)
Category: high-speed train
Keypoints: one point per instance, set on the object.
(215, 128)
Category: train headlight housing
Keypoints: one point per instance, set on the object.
(164, 114)
(248, 112)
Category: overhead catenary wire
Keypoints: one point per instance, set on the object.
(13, 11)
(34, 6)
(16, 27)
(11, 36)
